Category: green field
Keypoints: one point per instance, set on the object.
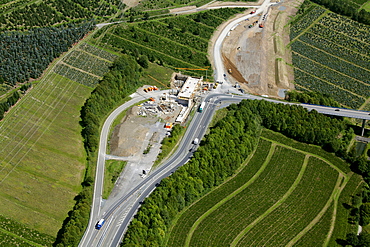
(284, 195)
(42, 154)
(331, 55)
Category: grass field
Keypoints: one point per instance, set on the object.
(284, 195)
(113, 169)
(42, 154)
(331, 55)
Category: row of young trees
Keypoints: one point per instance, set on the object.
(221, 153)
(347, 8)
(27, 55)
(121, 80)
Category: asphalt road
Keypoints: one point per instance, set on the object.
(119, 214)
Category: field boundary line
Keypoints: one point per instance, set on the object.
(307, 28)
(240, 189)
(311, 154)
(276, 205)
(245, 163)
(334, 195)
(330, 54)
(93, 55)
(334, 217)
(81, 70)
(19, 237)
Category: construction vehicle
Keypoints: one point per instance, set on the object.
(253, 12)
(229, 71)
(261, 25)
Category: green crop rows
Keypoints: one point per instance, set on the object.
(188, 218)
(86, 62)
(98, 52)
(332, 76)
(222, 225)
(333, 51)
(76, 75)
(316, 84)
(306, 21)
(318, 234)
(292, 216)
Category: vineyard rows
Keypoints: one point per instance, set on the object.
(76, 75)
(332, 62)
(188, 218)
(158, 43)
(226, 222)
(341, 39)
(347, 26)
(190, 25)
(315, 84)
(86, 62)
(326, 74)
(319, 232)
(131, 47)
(334, 48)
(280, 138)
(306, 21)
(292, 216)
(98, 52)
(175, 35)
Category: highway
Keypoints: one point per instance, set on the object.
(119, 214)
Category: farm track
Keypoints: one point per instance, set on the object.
(277, 204)
(81, 70)
(216, 206)
(307, 28)
(341, 182)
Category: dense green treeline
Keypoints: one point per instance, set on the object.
(231, 140)
(221, 153)
(27, 55)
(347, 8)
(314, 98)
(118, 83)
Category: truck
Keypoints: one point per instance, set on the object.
(196, 141)
(99, 224)
(201, 106)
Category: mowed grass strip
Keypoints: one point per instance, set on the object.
(308, 148)
(188, 217)
(318, 234)
(299, 210)
(43, 154)
(221, 227)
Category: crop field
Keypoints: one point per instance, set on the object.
(284, 195)
(185, 39)
(331, 54)
(42, 155)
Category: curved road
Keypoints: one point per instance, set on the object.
(119, 214)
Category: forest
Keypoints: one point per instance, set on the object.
(222, 151)
(25, 55)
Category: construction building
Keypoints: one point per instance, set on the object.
(187, 91)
